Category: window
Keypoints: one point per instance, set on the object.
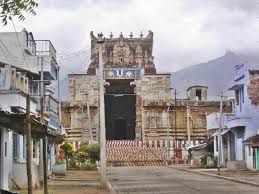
(24, 147)
(5, 149)
(237, 96)
(198, 94)
(242, 94)
(152, 123)
(15, 146)
(240, 132)
(249, 150)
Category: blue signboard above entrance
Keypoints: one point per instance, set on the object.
(122, 73)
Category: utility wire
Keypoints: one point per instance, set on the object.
(20, 45)
(6, 55)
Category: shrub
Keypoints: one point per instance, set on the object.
(208, 161)
(81, 156)
(60, 161)
(68, 150)
(72, 163)
(92, 150)
(88, 166)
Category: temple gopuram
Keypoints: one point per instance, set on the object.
(138, 101)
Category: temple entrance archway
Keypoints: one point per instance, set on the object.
(120, 110)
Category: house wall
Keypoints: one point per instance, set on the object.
(246, 115)
(250, 107)
(15, 99)
(16, 170)
(12, 54)
(6, 158)
(249, 157)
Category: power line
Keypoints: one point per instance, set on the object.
(71, 57)
(20, 45)
(6, 55)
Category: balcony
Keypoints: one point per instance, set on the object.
(240, 72)
(237, 121)
(214, 119)
(46, 50)
(51, 111)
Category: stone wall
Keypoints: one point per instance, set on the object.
(153, 97)
(79, 122)
(123, 52)
(83, 88)
(156, 121)
(152, 91)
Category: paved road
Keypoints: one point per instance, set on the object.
(164, 180)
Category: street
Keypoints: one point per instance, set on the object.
(172, 181)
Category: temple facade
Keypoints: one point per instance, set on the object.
(138, 101)
(134, 94)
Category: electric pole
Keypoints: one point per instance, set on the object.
(219, 134)
(90, 122)
(175, 117)
(28, 139)
(100, 41)
(44, 142)
(59, 103)
(168, 135)
(188, 125)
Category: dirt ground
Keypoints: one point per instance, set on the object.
(74, 182)
(69, 190)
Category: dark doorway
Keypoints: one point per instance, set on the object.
(120, 128)
(1, 159)
(120, 110)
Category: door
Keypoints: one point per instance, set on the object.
(257, 158)
(254, 158)
(0, 159)
(120, 129)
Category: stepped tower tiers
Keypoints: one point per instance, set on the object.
(124, 52)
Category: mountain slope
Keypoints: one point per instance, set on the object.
(216, 74)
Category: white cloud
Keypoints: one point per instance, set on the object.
(186, 32)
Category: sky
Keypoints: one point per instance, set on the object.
(186, 32)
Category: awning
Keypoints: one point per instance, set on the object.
(220, 133)
(252, 140)
(224, 131)
(236, 87)
(256, 145)
(57, 138)
(17, 123)
(215, 134)
(199, 146)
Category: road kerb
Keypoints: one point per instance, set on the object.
(217, 176)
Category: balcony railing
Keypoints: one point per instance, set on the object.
(45, 48)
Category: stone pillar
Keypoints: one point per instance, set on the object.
(229, 156)
(138, 128)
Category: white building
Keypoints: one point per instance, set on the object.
(242, 123)
(20, 64)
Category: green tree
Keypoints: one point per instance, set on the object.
(16, 8)
(68, 150)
